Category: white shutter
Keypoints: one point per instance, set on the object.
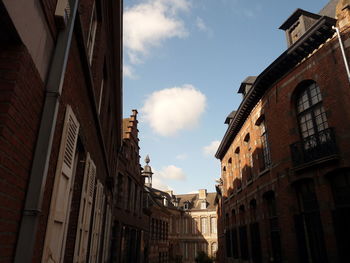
(87, 195)
(55, 238)
(97, 224)
(108, 226)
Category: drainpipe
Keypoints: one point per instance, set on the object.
(37, 180)
(343, 52)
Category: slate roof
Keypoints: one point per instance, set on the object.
(195, 203)
(230, 117)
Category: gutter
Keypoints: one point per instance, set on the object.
(37, 180)
(343, 52)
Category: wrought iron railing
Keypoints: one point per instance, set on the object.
(314, 147)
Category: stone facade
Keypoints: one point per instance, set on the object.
(284, 189)
(194, 229)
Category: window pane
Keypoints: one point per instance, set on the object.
(315, 94)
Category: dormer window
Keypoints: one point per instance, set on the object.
(298, 24)
(204, 205)
(186, 205)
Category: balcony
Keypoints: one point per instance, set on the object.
(315, 148)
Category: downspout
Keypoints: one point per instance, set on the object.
(343, 52)
(37, 180)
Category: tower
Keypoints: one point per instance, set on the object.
(147, 173)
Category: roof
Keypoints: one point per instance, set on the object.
(230, 117)
(248, 81)
(195, 202)
(316, 35)
(329, 9)
(294, 17)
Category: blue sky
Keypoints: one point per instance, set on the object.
(184, 61)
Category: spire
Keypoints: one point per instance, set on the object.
(147, 159)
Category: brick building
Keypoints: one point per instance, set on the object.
(159, 214)
(130, 222)
(60, 128)
(285, 157)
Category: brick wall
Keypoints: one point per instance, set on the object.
(21, 100)
(326, 68)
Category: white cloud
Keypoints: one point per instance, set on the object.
(182, 156)
(149, 23)
(170, 110)
(128, 72)
(201, 25)
(211, 149)
(158, 184)
(172, 172)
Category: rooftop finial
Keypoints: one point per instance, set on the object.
(147, 160)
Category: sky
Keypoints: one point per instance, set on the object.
(183, 62)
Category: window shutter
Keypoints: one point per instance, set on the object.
(108, 225)
(57, 224)
(97, 224)
(87, 195)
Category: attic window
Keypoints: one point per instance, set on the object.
(204, 205)
(186, 206)
(237, 150)
(247, 137)
(260, 120)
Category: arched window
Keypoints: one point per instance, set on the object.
(214, 248)
(340, 183)
(312, 118)
(271, 207)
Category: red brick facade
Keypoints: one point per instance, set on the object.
(24, 86)
(285, 194)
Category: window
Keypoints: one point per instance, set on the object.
(214, 248)
(238, 163)
(204, 225)
(86, 200)
(101, 95)
(92, 33)
(204, 205)
(185, 225)
(308, 224)
(311, 116)
(185, 247)
(274, 226)
(120, 190)
(213, 225)
(96, 231)
(255, 233)
(187, 205)
(340, 182)
(264, 144)
(243, 240)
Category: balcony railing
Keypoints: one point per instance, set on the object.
(314, 147)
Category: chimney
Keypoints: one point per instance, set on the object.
(202, 194)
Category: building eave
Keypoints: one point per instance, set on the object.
(306, 45)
